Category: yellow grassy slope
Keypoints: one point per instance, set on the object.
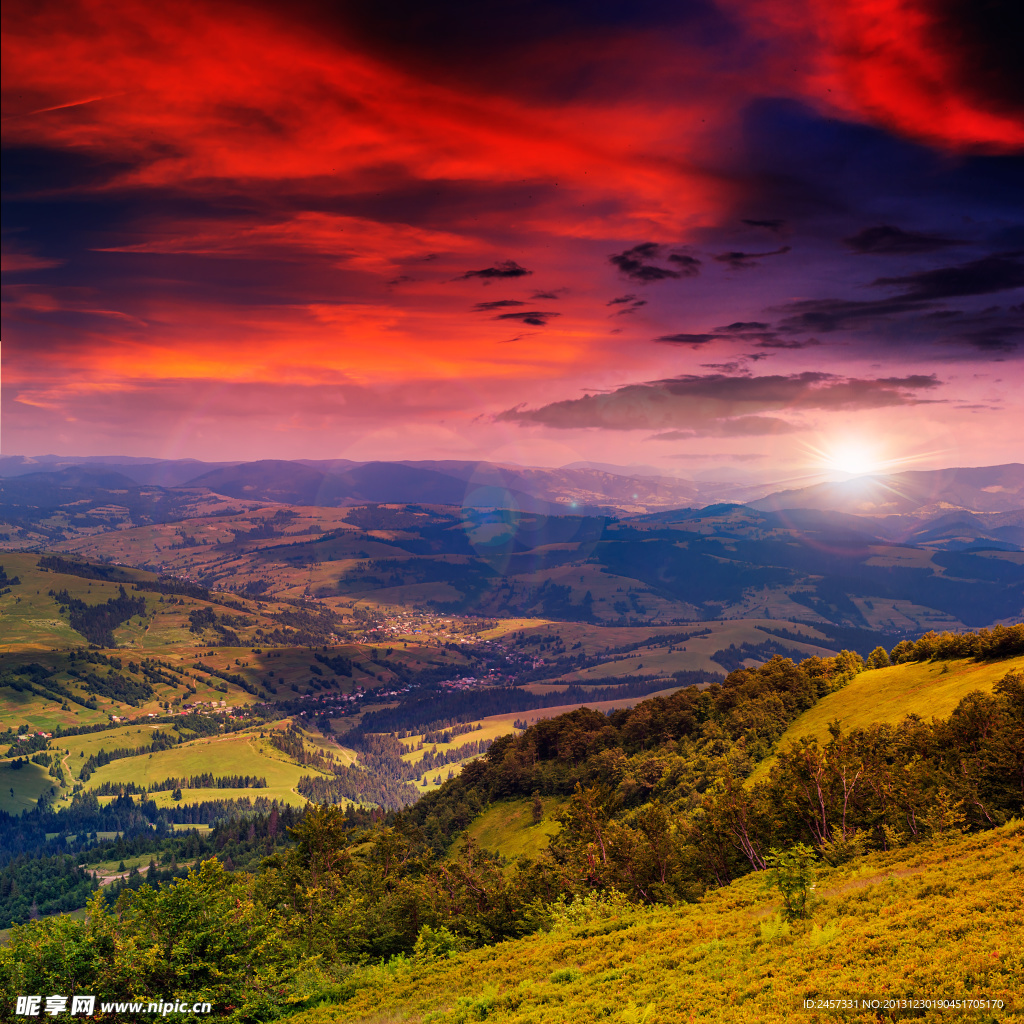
(507, 828)
(890, 694)
(933, 921)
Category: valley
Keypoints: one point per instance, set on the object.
(510, 732)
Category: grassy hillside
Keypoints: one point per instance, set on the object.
(508, 829)
(929, 689)
(238, 754)
(890, 694)
(654, 901)
(935, 921)
(20, 787)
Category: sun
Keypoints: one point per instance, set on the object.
(846, 457)
(852, 459)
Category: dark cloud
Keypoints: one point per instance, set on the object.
(627, 310)
(759, 334)
(548, 295)
(827, 315)
(915, 308)
(536, 317)
(993, 339)
(994, 330)
(687, 266)
(997, 273)
(733, 367)
(637, 265)
(489, 46)
(753, 332)
(816, 172)
(508, 268)
(983, 42)
(775, 341)
(687, 339)
(745, 260)
(771, 225)
(889, 240)
(630, 304)
(483, 307)
(725, 404)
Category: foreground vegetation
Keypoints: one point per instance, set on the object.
(654, 872)
(937, 920)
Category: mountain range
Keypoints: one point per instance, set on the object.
(570, 489)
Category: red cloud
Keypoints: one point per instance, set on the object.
(928, 69)
(194, 94)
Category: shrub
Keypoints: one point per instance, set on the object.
(436, 942)
(843, 848)
(564, 975)
(583, 910)
(792, 874)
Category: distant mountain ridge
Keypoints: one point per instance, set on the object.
(974, 489)
(576, 489)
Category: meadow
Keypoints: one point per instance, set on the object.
(244, 753)
(21, 788)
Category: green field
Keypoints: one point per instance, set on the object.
(236, 754)
(82, 747)
(29, 617)
(26, 783)
(110, 867)
(931, 921)
(490, 729)
(43, 715)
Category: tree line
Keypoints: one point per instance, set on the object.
(205, 780)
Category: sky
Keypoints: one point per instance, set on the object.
(762, 238)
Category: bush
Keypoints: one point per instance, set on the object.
(840, 849)
(436, 942)
(583, 910)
